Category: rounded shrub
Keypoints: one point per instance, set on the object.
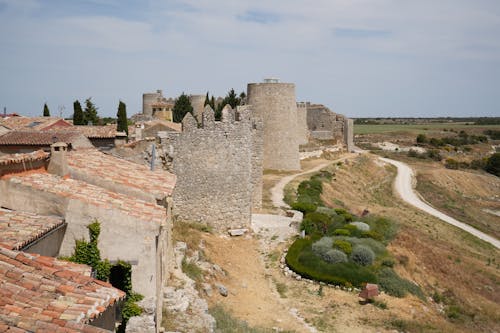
(362, 226)
(343, 245)
(322, 246)
(362, 255)
(341, 232)
(334, 256)
(327, 211)
(304, 207)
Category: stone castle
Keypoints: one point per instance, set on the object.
(219, 164)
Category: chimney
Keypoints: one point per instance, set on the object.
(58, 164)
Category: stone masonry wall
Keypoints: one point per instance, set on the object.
(302, 131)
(216, 168)
(324, 124)
(275, 104)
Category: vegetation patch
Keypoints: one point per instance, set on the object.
(341, 248)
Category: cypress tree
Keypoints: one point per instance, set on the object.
(207, 100)
(46, 112)
(78, 118)
(121, 123)
(181, 107)
(90, 113)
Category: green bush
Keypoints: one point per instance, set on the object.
(303, 261)
(386, 228)
(372, 234)
(327, 211)
(493, 164)
(394, 285)
(341, 232)
(361, 226)
(342, 245)
(322, 246)
(334, 256)
(304, 207)
(315, 223)
(362, 255)
(377, 247)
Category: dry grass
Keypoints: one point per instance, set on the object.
(431, 253)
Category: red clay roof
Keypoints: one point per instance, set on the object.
(94, 195)
(97, 132)
(23, 158)
(93, 162)
(43, 294)
(36, 138)
(18, 229)
(35, 123)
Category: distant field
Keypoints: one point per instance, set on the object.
(417, 129)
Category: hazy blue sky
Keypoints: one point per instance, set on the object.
(359, 57)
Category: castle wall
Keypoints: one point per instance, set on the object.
(216, 168)
(324, 124)
(302, 130)
(275, 104)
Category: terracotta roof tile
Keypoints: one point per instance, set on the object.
(36, 138)
(18, 229)
(68, 307)
(93, 162)
(34, 123)
(91, 194)
(97, 132)
(23, 158)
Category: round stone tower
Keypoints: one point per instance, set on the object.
(198, 104)
(275, 103)
(147, 100)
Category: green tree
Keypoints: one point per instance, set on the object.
(207, 100)
(232, 99)
(212, 102)
(493, 164)
(46, 112)
(181, 107)
(122, 125)
(90, 113)
(78, 117)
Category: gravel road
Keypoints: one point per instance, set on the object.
(404, 186)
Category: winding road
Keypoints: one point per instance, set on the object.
(404, 186)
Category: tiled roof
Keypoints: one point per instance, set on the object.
(43, 294)
(97, 132)
(170, 124)
(32, 123)
(94, 195)
(36, 138)
(18, 229)
(91, 161)
(23, 158)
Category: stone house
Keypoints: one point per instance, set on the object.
(132, 204)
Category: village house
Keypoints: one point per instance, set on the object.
(132, 204)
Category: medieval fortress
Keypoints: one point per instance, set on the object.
(219, 164)
(57, 178)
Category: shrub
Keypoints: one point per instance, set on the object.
(334, 256)
(327, 211)
(361, 226)
(322, 246)
(422, 138)
(362, 255)
(372, 234)
(315, 223)
(342, 245)
(341, 232)
(303, 261)
(392, 284)
(493, 164)
(304, 207)
(451, 163)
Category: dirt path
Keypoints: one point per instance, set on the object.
(404, 186)
(277, 190)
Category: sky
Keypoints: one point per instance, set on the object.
(361, 58)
